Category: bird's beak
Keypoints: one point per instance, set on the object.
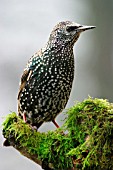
(85, 27)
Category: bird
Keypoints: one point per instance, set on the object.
(47, 79)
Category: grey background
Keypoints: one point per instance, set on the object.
(24, 28)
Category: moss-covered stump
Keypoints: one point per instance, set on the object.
(84, 142)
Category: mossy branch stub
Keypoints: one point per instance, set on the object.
(87, 145)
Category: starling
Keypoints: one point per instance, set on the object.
(47, 80)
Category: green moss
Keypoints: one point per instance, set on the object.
(88, 143)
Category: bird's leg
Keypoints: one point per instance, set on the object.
(25, 121)
(55, 123)
(24, 117)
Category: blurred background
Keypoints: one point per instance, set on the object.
(25, 26)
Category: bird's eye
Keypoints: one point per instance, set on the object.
(71, 28)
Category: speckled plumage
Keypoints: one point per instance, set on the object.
(47, 79)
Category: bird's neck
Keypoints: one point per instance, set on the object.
(57, 47)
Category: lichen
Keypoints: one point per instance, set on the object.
(87, 143)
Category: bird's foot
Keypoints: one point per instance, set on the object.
(34, 128)
(25, 121)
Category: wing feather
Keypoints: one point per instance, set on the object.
(25, 77)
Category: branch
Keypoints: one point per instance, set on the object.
(85, 141)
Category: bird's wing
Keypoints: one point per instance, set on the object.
(34, 65)
(25, 77)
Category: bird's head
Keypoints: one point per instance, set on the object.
(67, 32)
